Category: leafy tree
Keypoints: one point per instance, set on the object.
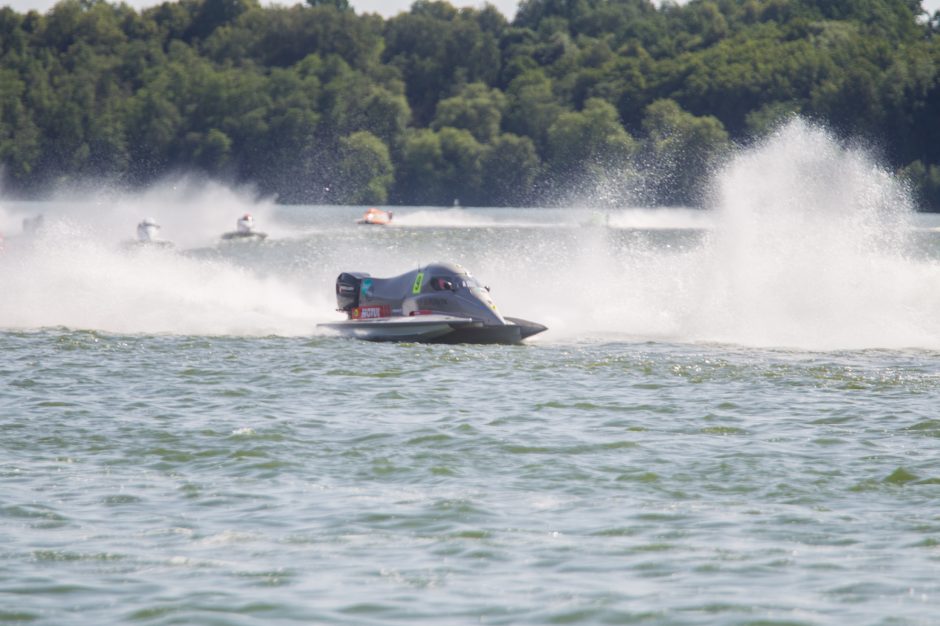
(764, 120)
(476, 108)
(434, 9)
(532, 107)
(211, 150)
(155, 125)
(365, 169)
(925, 181)
(352, 101)
(279, 142)
(387, 115)
(13, 38)
(532, 13)
(584, 146)
(342, 5)
(510, 166)
(282, 36)
(466, 104)
(172, 20)
(419, 169)
(440, 167)
(683, 149)
(212, 14)
(19, 135)
(436, 47)
(462, 171)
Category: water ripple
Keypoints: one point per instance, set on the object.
(167, 480)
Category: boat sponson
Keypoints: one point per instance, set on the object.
(425, 328)
(435, 329)
(526, 328)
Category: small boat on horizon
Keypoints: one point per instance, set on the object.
(148, 235)
(245, 230)
(375, 217)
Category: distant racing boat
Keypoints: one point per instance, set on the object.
(245, 230)
(375, 217)
(148, 234)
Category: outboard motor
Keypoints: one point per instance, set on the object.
(347, 291)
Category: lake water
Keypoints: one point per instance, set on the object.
(734, 417)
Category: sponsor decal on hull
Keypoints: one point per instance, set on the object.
(371, 312)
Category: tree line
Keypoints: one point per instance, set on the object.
(614, 101)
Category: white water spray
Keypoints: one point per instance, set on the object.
(808, 246)
(811, 250)
(82, 271)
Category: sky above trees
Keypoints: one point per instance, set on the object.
(392, 7)
(386, 8)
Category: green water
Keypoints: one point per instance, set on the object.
(194, 480)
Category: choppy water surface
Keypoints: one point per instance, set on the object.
(732, 419)
(289, 480)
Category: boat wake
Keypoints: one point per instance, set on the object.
(84, 269)
(810, 244)
(65, 279)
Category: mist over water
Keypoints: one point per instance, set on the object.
(808, 245)
(83, 270)
(812, 249)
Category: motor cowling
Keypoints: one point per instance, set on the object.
(347, 291)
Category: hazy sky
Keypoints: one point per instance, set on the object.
(392, 7)
(383, 7)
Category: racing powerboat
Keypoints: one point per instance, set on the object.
(439, 303)
(375, 217)
(244, 230)
(148, 235)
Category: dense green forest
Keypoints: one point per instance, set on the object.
(613, 101)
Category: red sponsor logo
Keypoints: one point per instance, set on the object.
(371, 312)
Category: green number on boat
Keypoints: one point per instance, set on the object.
(418, 280)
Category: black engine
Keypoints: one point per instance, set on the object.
(347, 291)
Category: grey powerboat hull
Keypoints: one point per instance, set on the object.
(435, 329)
